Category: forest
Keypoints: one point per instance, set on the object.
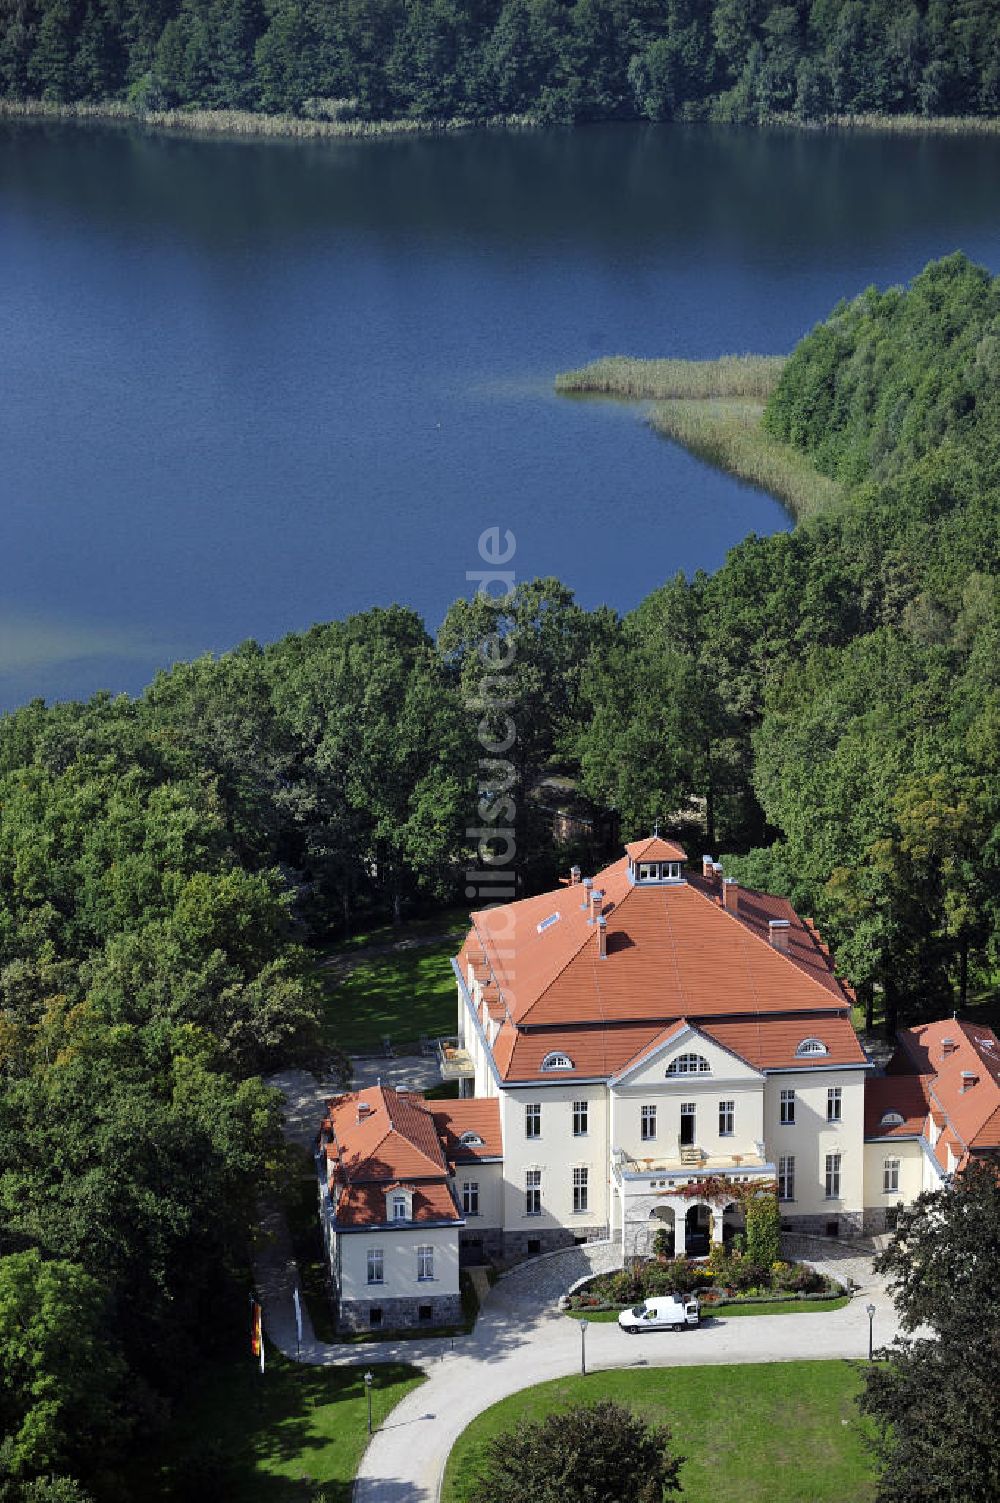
(828, 703)
(550, 60)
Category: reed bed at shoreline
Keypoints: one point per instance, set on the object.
(729, 435)
(244, 123)
(752, 377)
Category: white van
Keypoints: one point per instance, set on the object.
(671, 1313)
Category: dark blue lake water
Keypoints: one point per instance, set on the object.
(246, 387)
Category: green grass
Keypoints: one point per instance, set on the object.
(403, 995)
(779, 1432)
(450, 921)
(247, 1438)
(723, 1312)
(748, 376)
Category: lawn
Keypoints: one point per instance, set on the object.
(293, 1435)
(778, 1432)
(402, 995)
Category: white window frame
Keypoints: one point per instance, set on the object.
(425, 1264)
(834, 1103)
(581, 1191)
(786, 1177)
(727, 1119)
(786, 1109)
(532, 1192)
(890, 1176)
(375, 1265)
(832, 1181)
(557, 1060)
(689, 1063)
(399, 1208)
(581, 1118)
(647, 1124)
(811, 1046)
(533, 1119)
(470, 1197)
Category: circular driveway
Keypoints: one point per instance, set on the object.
(517, 1344)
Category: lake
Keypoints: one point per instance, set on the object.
(251, 386)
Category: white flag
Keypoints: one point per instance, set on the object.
(298, 1314)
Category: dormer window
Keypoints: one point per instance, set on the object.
(399, 1208)
(557, 1061)
(811, 1046)
(689, 1064)
(891, 1119)
(472, 1140)
(658, 871)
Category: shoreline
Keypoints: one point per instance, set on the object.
(713, 408)
(249, 125)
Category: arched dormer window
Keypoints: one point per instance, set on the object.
(471, 1140)
(811, 1046)
(891, 1119)
(557, 1061)
(689, 1064)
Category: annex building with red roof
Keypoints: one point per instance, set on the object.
(398, 1176)
(649, 1028)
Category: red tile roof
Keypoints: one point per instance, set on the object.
(905, 1095)
(655, 848)
(364, 1205)
(395, 1139)
(963, 1061)
(771, 1043)
(673, 951)
(479, 1115)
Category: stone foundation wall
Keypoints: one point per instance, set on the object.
(401, 1314)
(847, 1223)
(529, 1244)
(480, 1244)
(879, 1220)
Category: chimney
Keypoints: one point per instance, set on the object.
(948, 1047)
(717, 870)
(588, 883)
(364, 1110)
(602, 937)
(707, 868)
(730, 894)
(969, 1077)
(574, 876)
(777, 933)
(596, 904)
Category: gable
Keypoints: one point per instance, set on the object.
(675, 1048)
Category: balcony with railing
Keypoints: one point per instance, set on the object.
(454, 1060)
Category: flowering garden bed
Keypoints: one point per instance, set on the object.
(721, 1280)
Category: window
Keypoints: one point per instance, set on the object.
(689, 1064)
(648, 1123)
(891, 1119)
(375, 1315)
(376, 1271)
(470, 1197)
(533, 1120)
(727, 1118)
(787, 1109)
(647, 872)
(786, 1177)
(398, 1208)
(547, 923)
(833, 1176)
(579, 1119)
(579, 1191)
(533, 1192)
(425, 1264)
(672, 871)
(557, 1061)
(811, 1046)
(834, 1104)
(890, 1177)
(425, 1312)
(472, 1140)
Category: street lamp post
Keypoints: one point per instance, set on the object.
(870, 1311)
(369, 1380)
(583, 1346)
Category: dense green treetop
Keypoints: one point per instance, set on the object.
(560, 60)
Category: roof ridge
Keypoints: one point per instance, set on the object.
(748, 929)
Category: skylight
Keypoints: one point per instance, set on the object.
(547, 923)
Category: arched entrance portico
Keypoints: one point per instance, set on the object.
(698, 1230)
(733, 1222)
(662, 1219)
